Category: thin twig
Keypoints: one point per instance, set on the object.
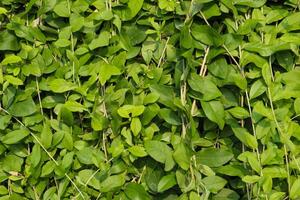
(163, 53)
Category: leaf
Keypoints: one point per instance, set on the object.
(107, 71)
(168, 5)
(131, 10)
(169, 116)
(101, 41)
(214, 183)
(23, 108)
(254, 4)
(213, 157)
(182, 156)
(14, 137)
(160, 152)
(166, 182)
(205, 86)
(99, 122)
(62, 8)
(74, 106)
(128, 111)
(8, 41)
(136, 191)
(35, 155)
(239, 112)
(11, 59)
(294, 194)
(251, 179)
(135, 126)
(138, 151)
(76, 22)
(290, 23)
(112, 183)
(88, 177)
(276, 15)
(48, 168)
(226, 194)
(257, 89)
(61, 85)
(4, 121)
(13, 80)
(214, 111)
(244, 136)
(206, 35)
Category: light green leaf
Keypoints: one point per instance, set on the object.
(61, 85)
(244, 136)
(166, 182)
(135, 126)
(11, 59)
(23, 108)
(112, 182)
(214, 111)
(14, 137)
(207, 35)
(214, 183)
(213, 157)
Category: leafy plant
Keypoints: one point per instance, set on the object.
(144, 99)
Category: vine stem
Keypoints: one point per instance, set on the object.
(47, 152)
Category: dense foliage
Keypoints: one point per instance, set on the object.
(149, 99)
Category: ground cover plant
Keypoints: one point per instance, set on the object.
(149, 99)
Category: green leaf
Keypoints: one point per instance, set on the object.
(4, 121)
(257, 89)
(128, 111)
(169, 116)
(11, 59)
(254, 4)
(136, 191)
(160, 152)
(14, 137)
(112, 183)
(137, 151)
(88, 177)
(107, 71)
(204, 86)
(214, 183)
(214, 111)
(213, 157)
(244, 136)
(101, 41)
(11, 163)
(61, 85)
(239, 112)
(182, 156)
(226, 194)
(166, 182)
(13, 80)
(48, 168)
(62, 8)
(131, 10)
(8, 41)
(35, 156)
(135, 126)
(276, 15)
(168, 5)
(76, 22)
(23, 108)
(294, 194)
(290, 23)
(207, 35)
(251, 179)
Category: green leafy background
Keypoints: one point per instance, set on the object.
(149, 99)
